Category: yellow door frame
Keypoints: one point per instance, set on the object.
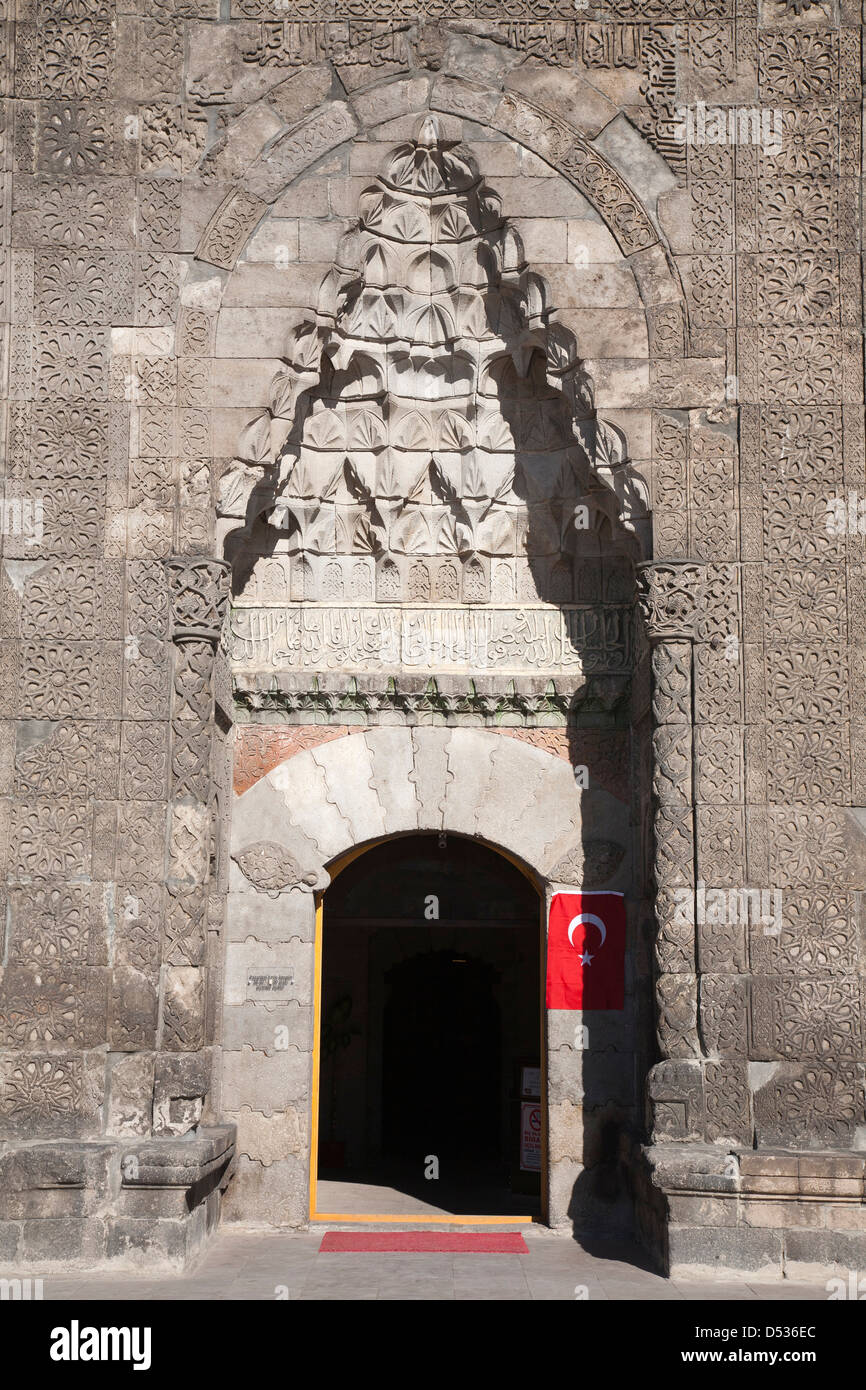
(339, 864)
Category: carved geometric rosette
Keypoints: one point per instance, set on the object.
(669, 596)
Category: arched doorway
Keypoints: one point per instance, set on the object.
(429, 1035)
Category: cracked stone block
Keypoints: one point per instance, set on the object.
(180, 1085)
(130, 1094)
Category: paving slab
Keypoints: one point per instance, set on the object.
(247, 1265)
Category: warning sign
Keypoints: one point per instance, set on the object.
(530, 1137)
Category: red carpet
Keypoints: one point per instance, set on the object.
(423, 1243)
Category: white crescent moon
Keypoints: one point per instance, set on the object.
(586, 917)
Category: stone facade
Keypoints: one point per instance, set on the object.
(399, 412)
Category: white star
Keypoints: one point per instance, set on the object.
(585, 958)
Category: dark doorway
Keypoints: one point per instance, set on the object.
(430, 1029)
(441, 1059)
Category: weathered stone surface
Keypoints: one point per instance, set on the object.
(268, 1027)
(392, 766)
(300, 148)
(723, 1249)
(10, 1233)
(266, 1082)
(810, 1254)
(566, 1124)
(280, 917)
(348, 770)
(53, 1181)
(275, 1194)
(151, 1241)
(302, 785)
(565, 1176)
(71, 1087)
(430, 775)
(267, 1139)
(180, 1085)
(130, 1095)
(258, 973)
(62, 1240)
(366, 372)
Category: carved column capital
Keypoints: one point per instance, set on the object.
(670, 594)
(199, 595)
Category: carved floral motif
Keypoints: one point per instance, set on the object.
(270, 868)
(669, 597)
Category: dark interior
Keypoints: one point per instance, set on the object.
(429, 1023)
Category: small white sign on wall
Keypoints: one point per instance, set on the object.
(270, 984)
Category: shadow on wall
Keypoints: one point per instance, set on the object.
(437, 441)
(608, 1052)
(581, 554)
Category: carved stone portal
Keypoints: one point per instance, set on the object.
(432, 489)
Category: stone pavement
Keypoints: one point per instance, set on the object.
(253, 1265)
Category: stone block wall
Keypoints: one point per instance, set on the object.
(178, 185)
(314, 806)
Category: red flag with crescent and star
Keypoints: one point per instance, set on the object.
(586, 951)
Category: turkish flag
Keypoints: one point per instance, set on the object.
(586, 951)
